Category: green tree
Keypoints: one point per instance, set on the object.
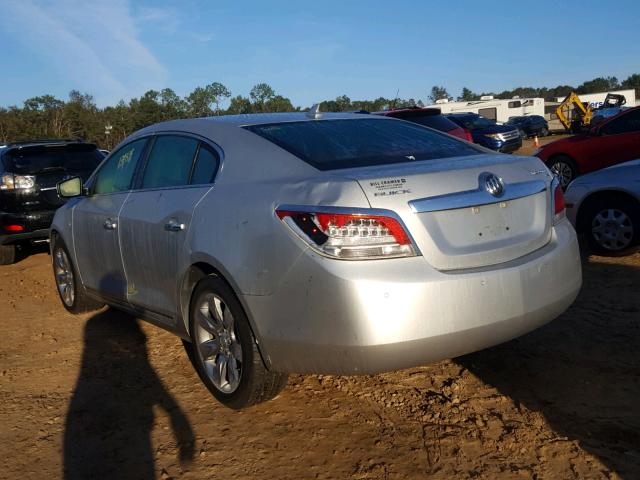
(239, 104)
(260, 94)
(202, 99)
(633, 81)
(467, 95)
(600, 84)
(439, 93)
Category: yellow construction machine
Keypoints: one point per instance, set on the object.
(575, 115)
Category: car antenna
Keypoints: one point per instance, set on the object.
(314, 111)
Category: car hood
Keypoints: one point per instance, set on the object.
(495, 129)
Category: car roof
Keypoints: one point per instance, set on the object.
(411, 110)
(232, 122)
(266, 118)
(44, 142)
(31, 145)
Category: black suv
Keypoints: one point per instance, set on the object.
(29, 172)
(530, 125)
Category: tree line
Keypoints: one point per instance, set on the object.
(79, 117)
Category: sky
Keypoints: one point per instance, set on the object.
(310, 50)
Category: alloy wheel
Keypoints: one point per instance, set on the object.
(612, 229)
(563, 171)
(64, 277)
(217, 344)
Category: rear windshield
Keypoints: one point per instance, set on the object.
(439, 122)
(473, 122)
(43, 159)
(335, 144)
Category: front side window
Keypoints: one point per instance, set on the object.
(116, 174)
(335, 144)
(170, 162)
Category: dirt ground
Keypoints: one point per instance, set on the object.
(106, 396)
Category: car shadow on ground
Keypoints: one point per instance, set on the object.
(110, 417)
(581, 371)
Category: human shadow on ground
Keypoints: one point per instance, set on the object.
(110, 417)
(582, 370)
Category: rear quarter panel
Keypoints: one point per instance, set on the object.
(235, 224)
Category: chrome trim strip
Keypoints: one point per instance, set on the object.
(477, 197)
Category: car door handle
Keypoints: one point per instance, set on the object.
(109, 224)
(174, 226)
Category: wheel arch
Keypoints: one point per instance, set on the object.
(204, 266)
(598, 196)
(556, 155)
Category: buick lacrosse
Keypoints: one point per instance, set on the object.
(315, 243)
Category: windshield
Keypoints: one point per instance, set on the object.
(335, 144)
(516, 120)
(43, 159)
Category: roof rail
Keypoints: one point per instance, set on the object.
(43, 141)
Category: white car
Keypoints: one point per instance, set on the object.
(605, 207)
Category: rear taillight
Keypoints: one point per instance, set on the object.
(468, 136)
(13, 228)
(558, 202)
(10, 181)
(350, 235)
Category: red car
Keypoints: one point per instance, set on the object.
(615, 140)
(429, 117)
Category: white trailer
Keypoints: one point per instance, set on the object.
(495, 109)
(597, 99)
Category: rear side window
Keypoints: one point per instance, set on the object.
(116, 174)
(170, 161)
(335, 144)
(71, 159)
(206, 166)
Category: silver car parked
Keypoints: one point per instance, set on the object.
(315, 243)
(605, 207)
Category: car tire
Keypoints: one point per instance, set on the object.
(611, 225)
(73, 296)
(8, 254)
(224, 351)
(564, 168)
(544, 132)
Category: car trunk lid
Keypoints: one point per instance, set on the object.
(455, 220)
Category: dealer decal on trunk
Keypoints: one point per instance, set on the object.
(389, 187)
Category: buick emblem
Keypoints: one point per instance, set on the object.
(494, 185)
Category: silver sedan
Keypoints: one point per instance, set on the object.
(323, 243)
(605, 207)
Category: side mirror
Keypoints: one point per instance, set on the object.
(70, 188)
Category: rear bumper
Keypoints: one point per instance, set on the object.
(42, 234)
(35, 226)
(341, 317)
